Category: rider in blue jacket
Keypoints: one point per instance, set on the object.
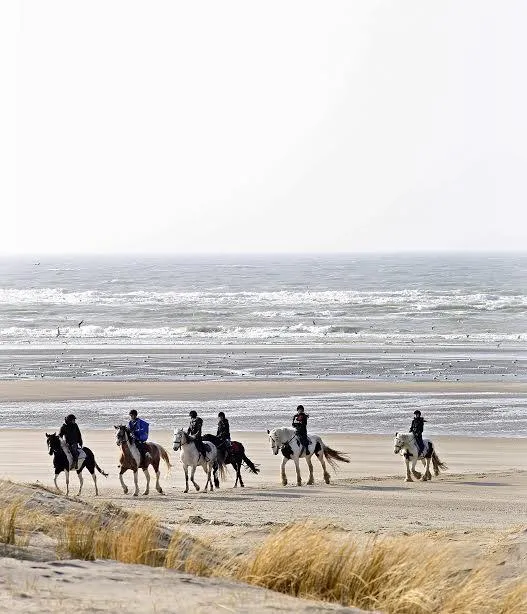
(139, 430)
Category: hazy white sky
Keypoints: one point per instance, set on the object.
(263, 126)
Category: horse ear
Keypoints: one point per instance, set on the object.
(268, 432)
(396, 434)
(47, 435)
(116, 427)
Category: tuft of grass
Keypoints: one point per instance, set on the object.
(395, 575)
(135, 540)
(8, 518)
(190, 555)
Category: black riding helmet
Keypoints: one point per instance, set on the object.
(221, 415)
(300, 408)
(69, 418)
(193, 413)
(417, 412)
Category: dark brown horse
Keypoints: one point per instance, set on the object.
(132, 459)
(234, 456)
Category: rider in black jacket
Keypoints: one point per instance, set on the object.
(194, 432)
(300, 425)
(71, 433)
(224, 432)
(417, 427)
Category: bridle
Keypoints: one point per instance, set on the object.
(281, 446)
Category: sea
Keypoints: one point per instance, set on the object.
(414, 317)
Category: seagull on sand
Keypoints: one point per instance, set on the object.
(80, 323)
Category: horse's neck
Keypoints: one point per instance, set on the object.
(285, 434)
(129, 446)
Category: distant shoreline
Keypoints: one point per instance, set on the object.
(63, 390)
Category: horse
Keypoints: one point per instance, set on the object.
(131, 459)
(234, 456)
(63, 461)
(405, 444)
(191, 457)
(286, 440)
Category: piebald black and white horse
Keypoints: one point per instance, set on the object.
(63, 461)
(286, 440)
(405, 444)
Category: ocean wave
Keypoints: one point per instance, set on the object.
(239, 334)
(413, 300)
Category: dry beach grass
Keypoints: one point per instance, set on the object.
(403, 575)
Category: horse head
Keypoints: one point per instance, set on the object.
(53, 442)
(180, 438)
(275, 440)
(400, 441)
(122, 435)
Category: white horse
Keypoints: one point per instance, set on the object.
(191, 457)
(285, 440)
(405, 444)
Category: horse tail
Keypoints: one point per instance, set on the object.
(249, 464)
(438, 465)
(100, 470)
(334, 456)
(164, 456)
(222, 467)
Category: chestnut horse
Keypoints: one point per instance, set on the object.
(131, 459)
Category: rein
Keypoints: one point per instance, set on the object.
(282, 446)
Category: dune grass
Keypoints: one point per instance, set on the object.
(402, 575)
(8, 521)
(395, 575)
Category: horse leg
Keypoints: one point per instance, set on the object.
(94, 478)
(427, 475)
(192, 472)
(311, 480)
(408, 474)
(147, 476)
(239, 473)
(125, 487)
(209, 476)
(282, 471)
(67, 482)
(298, 476)
(320, 456)
(81, 482)
(415, 473)
(185, 469)
(136, 483)
(158, 485)
(55, 480)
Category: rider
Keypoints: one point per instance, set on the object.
(72, 435)
(300, 425)
(224, 432)
(194, 432)
(416, 428)
(139, 430)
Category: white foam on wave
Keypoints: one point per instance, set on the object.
(410, 300)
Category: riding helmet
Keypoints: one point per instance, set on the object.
(221, 415)
(300, 408)
(417, 412)
(193, 413)
(70, 418)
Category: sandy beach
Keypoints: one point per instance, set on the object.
(480, 502)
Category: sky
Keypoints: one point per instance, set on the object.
(277, 126)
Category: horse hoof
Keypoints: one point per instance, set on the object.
(408, 480)
(186, 490)
(125, 490)
(136, 494)
(145, 493)
(196, 487)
